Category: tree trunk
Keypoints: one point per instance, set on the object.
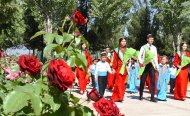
(179, 36)
(174, 48)
(48, 23)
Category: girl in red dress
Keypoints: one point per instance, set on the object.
(119, 86)
(181, 82)
(82, 74)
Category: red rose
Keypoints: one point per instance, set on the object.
(30, 64)
(93, 95)
(60, 74)
(106, 108)
(79, 18)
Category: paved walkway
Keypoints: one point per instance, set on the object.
(131, 106)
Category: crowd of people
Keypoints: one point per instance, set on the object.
(114, 73)
(106, 72)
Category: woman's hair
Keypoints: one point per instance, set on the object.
(182, 43)
(121, 38)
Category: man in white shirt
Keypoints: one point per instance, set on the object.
(102, 68)
(150, 68)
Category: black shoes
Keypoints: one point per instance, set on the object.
(153, 100)
(140, 98)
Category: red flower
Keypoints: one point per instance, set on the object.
(79, 18)
(106, 108)
(93, 95)
(30, 64)
(60, 74)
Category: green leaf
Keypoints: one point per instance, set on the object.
(1, 76)
(71, 61)
(71, 111)
(77, 40)
(61, 29)
(87, 111)
(45, 66)
(67, 37)
(15, 101)
(49, 37)
(2, 96)
(79, 111)
(81, 60)
(75, 99)
(38, 34)
(50, 100)
(48, 49)
(36, 103)
(59, 39)
(28, 88)
(3, 87)
(58, 49)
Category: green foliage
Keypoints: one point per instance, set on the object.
(14, 103)
(38, 98)
(11, 24)
(63, 46)
(166, 20)
(171, 25)
(108, 18)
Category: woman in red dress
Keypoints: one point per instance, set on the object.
(181, 82)
(119, 86)
(81, 74)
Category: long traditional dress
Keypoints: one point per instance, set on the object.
(134, 80)
(181, 82)
(119, 86)
(163, 80)
(110, 76)
(81, 74)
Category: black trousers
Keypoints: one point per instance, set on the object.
(102, 83)
(172, 85)
(93, 81)
(149, 69)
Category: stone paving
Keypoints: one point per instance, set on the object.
(132, 106)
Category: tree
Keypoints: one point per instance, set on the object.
(171, 24)
(140, 24)
(107, 20)
(52, 12)
(185, 15)
(31, 29)
(11, 23)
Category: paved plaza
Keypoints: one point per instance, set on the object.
(132, 106)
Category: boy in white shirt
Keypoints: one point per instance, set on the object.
(101, 72)
(173, 70)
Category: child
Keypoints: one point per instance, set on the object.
(173, 70)
(102, 68)
(133, 76)
(163, 79)
(92, 71)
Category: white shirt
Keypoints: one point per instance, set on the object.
(102, 67)
(153, 49)
(173, 70)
